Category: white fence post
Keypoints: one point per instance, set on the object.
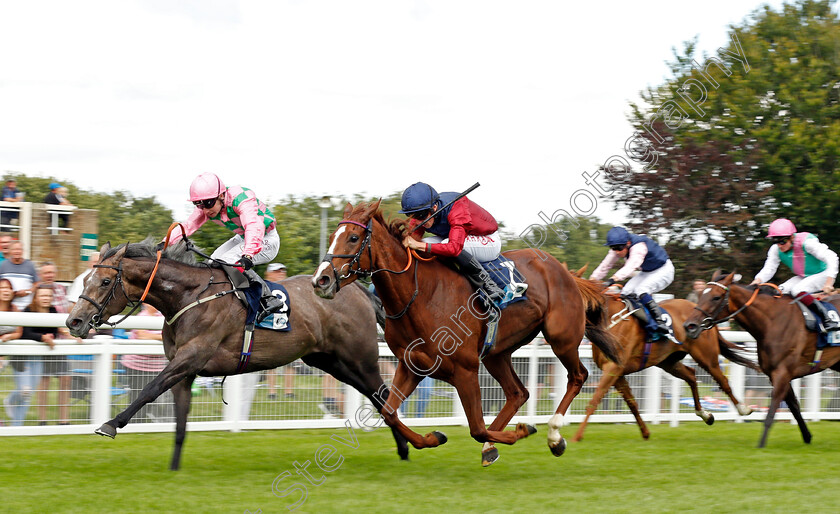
(102, 372)
(676, 389)
(811, 404)
(533, 379)
(654, 399)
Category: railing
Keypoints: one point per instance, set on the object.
(101, 386)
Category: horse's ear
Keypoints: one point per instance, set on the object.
(737, 277)
(348, 209)
(582, 270)
(565, 266)
(715, 274)
(105, 248)
(374, 207)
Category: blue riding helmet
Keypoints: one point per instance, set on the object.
(418, 197)
(617, 236)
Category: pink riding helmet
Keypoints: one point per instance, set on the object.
(206, 185)
(781, 227)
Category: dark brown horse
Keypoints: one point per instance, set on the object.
(337, 337)
(437, 324)
(665, 354)
(786, 349)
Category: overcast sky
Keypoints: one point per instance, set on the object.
(310, 98)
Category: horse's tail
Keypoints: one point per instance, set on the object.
(378, 308)
(597, 321)
(729, 350)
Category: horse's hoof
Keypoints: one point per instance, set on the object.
(559, 448)
(526, 429)
(806, 438)
(710, 420)
(106, 430)
(440, 436)
(489, 456)
(646, 436)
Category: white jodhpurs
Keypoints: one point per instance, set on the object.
(231, 250)
(651, 281)
(812, 284)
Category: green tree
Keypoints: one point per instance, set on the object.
(751, 137)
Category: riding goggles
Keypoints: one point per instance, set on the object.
(205, 204)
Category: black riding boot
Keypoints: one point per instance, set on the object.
(269, 303)
(820, 310)
(471, 268)
(656, 312)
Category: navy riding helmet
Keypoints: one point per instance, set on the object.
(617, 236)
(418, 197)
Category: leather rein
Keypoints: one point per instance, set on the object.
(709, 320)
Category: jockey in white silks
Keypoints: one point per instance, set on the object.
(641, 252)
(813, 263)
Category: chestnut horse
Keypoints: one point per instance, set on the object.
(786, 349)
(665, 354)
(437, 324)
(207, 340)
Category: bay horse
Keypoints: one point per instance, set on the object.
(786, 349)
(436, 324)
(207, 340)
(637, 354)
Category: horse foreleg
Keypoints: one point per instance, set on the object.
(466, 383)
(182, 391)
(404, 383)
(623, 387)
(793, 405)
(680, 370)
(186, 362)
(716, 373)
(500, 367)
(781, 384)
(610, 374)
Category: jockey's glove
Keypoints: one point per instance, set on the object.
(245, 262)
(609, 282)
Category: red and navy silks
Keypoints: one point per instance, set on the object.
(457, 221)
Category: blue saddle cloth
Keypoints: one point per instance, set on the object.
(504, 273)
(275, 321)
(826, 339)
(651, 331)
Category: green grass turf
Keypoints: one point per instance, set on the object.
(689, 468)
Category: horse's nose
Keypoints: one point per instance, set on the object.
(75, 325)
(323, 285)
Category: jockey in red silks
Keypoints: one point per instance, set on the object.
(814, 264)
(463, 231)
(237, 208)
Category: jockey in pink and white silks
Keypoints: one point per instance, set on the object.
(237, 208)
(641, 252)
(814, 264)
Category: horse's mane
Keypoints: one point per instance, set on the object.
(396, 227)
(146, 248)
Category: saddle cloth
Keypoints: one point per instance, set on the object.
(504, 273)
(275, 321)
(814, 324)
(646, 320)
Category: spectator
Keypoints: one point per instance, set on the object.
(10, 194)
(141, 369)
(21, 273)
(275, 272)
(78, 284)
(17, 403)
(54, 365)
(5, 241)
(697, 288)
(58, 196)
(47, 273)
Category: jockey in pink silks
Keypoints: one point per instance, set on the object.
(237, 208)
(813, 263)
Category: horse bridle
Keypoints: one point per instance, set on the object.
(96, 320)
(355, 259)
(709, 321)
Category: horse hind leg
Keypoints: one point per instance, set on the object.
(717, 374)
(623, 387)
(680, 370)
(366, 379)
(610, 374)
(182, 392)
